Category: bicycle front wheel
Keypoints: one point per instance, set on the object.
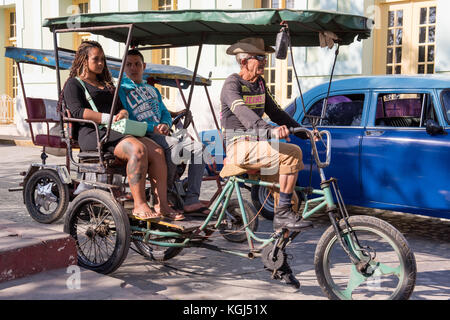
(391, 273)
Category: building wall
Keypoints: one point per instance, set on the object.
(313, 64)
(2, 58)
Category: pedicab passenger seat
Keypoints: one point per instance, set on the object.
(36, 113)
(89, 161)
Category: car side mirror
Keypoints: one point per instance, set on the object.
(434, 128)
(282, 44)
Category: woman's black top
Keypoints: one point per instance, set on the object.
(76, 102)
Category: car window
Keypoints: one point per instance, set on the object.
(341, 110)
(404, 110)
(446, 104)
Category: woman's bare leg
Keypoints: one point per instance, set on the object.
(157, 172)
(135, 154)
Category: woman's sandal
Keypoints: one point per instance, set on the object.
(145, 216)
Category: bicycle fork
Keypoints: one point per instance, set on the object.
(359, 255)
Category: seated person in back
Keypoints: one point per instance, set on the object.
(144, 103)
(143, 156)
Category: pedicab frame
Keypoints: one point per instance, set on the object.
(182, 28)
(172, 76)
(199, 27)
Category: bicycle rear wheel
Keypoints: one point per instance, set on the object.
(391, 273)
(100, 228)
(234, 230)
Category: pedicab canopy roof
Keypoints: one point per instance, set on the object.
(191, 27)
(162, 74)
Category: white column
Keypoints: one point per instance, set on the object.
(442, 38)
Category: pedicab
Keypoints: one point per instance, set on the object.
(353, 251)
(48, 188)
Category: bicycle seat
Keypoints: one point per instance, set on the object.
(230, 169)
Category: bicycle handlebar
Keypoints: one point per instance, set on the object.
(311, 137)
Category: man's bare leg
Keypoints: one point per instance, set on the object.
(157, 172)
(287, 182)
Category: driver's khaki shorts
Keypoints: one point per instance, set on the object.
(270, 158)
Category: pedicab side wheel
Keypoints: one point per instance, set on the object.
(46, 196)
(158, 253)
(234, 221)
(390, 274)
(101, 229)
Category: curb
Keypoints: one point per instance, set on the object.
(16, 142)
(26, 250)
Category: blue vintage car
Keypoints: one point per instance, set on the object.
(390, 147)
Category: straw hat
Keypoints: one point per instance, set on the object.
(250, 45)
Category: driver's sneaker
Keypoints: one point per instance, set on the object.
(290, 280)
(285, 217)
(287, 276)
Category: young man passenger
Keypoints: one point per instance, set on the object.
(144, 103)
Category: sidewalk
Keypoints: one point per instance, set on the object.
(50, 281)
(39, 263)
(16, 140)
(201, 274)
(73, 283)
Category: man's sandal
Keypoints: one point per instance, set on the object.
(145, 216)
(202, 211)
(174, 216)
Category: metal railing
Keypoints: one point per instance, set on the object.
(7, 105)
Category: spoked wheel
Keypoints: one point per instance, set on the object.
(158, 253)
(101, 230)
(391, 273)
(46, 196)
(233, 231)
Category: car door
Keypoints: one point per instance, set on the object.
(403, 167)
(344, 119)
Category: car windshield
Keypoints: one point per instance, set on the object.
(446, 104)
(342, 110)
(290, 109)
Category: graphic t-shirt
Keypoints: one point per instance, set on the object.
(144, 103)
(243, 105)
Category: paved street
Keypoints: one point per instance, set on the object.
(203, 274)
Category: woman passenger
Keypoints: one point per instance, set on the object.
(142, 155)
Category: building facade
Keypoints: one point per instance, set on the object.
(408, 38)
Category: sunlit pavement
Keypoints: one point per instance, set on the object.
(197, 273)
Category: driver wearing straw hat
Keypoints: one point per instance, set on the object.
(244, 100)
